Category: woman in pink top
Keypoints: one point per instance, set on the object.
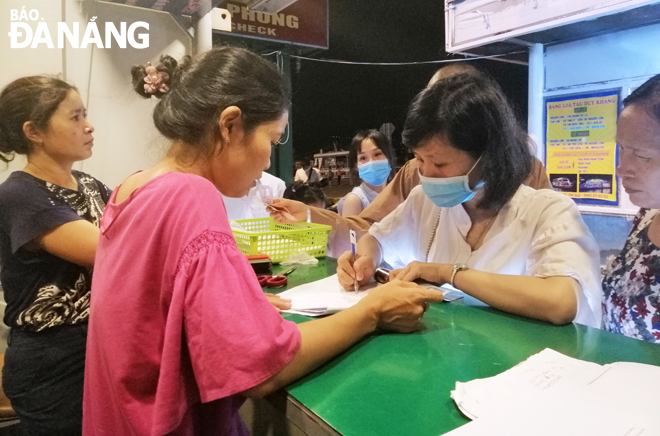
(180, 331)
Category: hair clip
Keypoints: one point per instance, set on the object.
(155, 81)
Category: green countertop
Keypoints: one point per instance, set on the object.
(399, 384)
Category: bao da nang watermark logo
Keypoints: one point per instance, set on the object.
(29, 30)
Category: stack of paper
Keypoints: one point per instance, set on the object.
(323, 297)
(551, 394)
(326, 296)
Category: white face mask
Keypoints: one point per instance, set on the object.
(449, 191)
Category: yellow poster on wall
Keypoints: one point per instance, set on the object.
(580, 146)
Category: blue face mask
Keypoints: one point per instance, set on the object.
(375, 172)
(449, 191)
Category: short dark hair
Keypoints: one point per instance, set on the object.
(458, 67)
(473, 114)
(647, 96)
(33, 98)
(203, 86)
(381, 141)
(306, 193)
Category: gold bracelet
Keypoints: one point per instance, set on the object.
(456, 268)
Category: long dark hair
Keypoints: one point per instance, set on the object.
(33, 98)
(308, 193)
(202, 87)
(474, 115)
(381, 141)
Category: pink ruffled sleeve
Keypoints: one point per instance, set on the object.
(235, 337)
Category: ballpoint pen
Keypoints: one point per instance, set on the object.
(356, 286)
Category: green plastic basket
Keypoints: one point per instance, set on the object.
(279, 241)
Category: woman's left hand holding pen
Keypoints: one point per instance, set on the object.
(348, 270)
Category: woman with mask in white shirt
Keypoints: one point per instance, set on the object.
(472, 223)
(370, 162)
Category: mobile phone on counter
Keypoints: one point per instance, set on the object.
(382, 275)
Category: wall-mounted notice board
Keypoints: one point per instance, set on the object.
(580, 146)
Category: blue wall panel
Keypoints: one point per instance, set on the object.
(609, 231)
(629, 55)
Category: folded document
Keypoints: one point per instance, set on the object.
(551, 394)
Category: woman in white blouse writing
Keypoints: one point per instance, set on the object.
(472, 222)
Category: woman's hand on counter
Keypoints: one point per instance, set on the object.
(401, 305)
(278, 302)
(431, 272)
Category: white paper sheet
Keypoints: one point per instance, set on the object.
(326, 296)
(547, 370)
(553, 395)
(323, 297)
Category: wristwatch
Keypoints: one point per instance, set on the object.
(456, 268)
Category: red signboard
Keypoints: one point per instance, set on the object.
(303, 22)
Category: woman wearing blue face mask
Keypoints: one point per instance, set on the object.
(472, 223)
(370, 160)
